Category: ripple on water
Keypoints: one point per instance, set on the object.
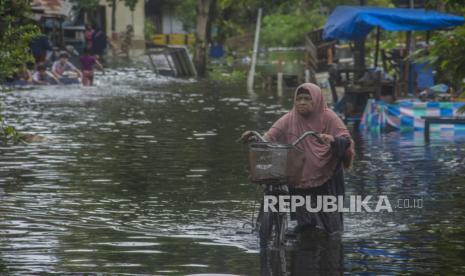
(137, 178)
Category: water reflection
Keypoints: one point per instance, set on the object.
(313, 253)
(143, 175)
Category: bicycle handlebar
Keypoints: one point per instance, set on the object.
(307, 133)
(256, 134)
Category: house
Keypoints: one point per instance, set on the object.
(169, 29)
(162, 14)
(124, 17)
(57, 19)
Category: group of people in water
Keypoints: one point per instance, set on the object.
(62, 70)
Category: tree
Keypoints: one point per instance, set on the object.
(131, 4)
(15, 35)
(222, 13)
(112, 4)
(87, 6)
(289, 29)
(203, 21)
(230, 17)
(447, 50)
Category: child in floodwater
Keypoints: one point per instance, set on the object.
(22, 76)
(62, 65)
(88, 62)
(43, 77)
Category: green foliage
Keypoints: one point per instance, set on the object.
(112, 3)
(448, 54)
(289, 29)
(450, 5)
(149, 29)
(87, 5)
(461, 110)
(7, 133)
(15, 36)
(185, 12)
(448, 47)
(234, 76)
(232, 17)
(131, 4)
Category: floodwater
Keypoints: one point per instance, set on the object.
(142, 175)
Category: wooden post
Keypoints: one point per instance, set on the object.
(359, 58)
(426, 131)
(378, 86)
(307, 75)
(359, 47)
(307, 70)
(409, 50)
(280, 84)
(329, 54)
(251, 75)
(280, 78)
(406, 65)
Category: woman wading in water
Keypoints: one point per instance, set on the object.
(323, 172)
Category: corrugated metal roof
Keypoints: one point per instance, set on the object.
(61, 8)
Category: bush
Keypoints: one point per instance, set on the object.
(286, 30)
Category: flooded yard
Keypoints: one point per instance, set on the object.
(142, 175)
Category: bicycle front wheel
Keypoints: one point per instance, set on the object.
(279, 229)
(272, 229)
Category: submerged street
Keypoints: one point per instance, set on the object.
(142, 175)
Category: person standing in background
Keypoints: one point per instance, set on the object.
(127, 40)
(88, 36)
(99, 42)
(87, 67)
(39, 47)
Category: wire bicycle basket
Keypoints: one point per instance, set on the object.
(275, 163)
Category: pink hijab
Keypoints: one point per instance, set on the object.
(320, 163)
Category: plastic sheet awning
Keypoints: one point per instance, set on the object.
(355, 22)
(406, 115)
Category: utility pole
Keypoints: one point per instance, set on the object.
(359, 53)
(251, 76)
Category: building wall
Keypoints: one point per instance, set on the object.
(170, 24)
(124, 16)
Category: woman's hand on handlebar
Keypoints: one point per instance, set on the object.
(247, 136)
(246, 133)
(327, 138)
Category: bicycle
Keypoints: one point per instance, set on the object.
(273, 166)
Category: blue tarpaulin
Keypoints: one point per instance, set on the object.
(355, 22)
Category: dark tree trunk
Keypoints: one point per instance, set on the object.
(113, 15)
(201, 35)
